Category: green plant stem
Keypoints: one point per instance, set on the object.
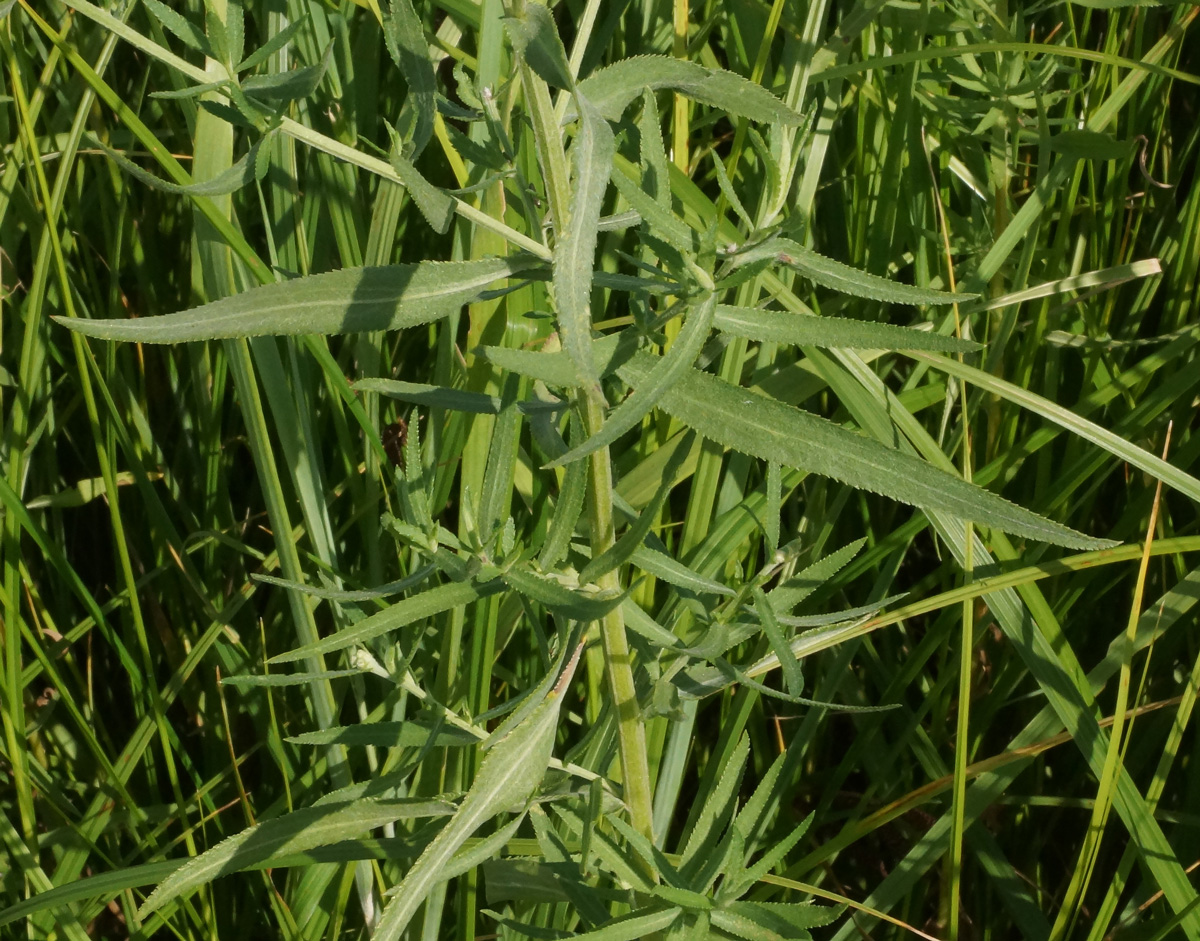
(631, 728)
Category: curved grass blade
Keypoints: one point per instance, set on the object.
(758, 425)
(612, 89)
(352, 300)
(838, 332)
(666, 372)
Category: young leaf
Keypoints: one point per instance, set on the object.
(270, 47)
(612, 89)
(756, 424)
(507, 777)
(621, 551)
(293, 85)
(667, 370)
(576, 605)
(674, 572)
(786, 596)
(793, 678)
(365, 594)
(352, 300)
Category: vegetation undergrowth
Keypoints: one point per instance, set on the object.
(612, 470)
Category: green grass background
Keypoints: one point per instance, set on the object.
(1043, 144)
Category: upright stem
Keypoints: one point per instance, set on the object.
(631, 728)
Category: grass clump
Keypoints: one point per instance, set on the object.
(604, 470)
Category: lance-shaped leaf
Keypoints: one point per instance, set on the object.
(435, 204)
(837, 332)
(352, 300)
(622, 550)
(293, 85)
(408, 734)
(405, 39)
(292, 833)
(536, 40)
(611, 89)
(229, 180)
(575, 250)
(576, 605)
(678, 359)
(758, 425)
(833, 274)
(425, 605)
(674, 572)
(507, 777)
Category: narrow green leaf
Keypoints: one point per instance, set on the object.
(286, 679)
(611, 89)
(632, 927)
(673, 572)
(558, 369)
(793, 677)
(412, 733)
(667, 370)
(428, 603)
(622, 550)
(184, 29)
(228, 180)
(786, 596)
(507, 777)
(716, 806)
(365, 594)
(575, 250)
(535, 38)
(293, 85)
(405, 39)
(656, 175)
(292, 833)
(419, 393)
(436, 205)
(839, 332)
(576, 605)
(756, 424)
(787, 915)
(833, 274)
(271, 46)
(352, 300)
(1114, 444)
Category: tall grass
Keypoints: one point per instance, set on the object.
(775, 516)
